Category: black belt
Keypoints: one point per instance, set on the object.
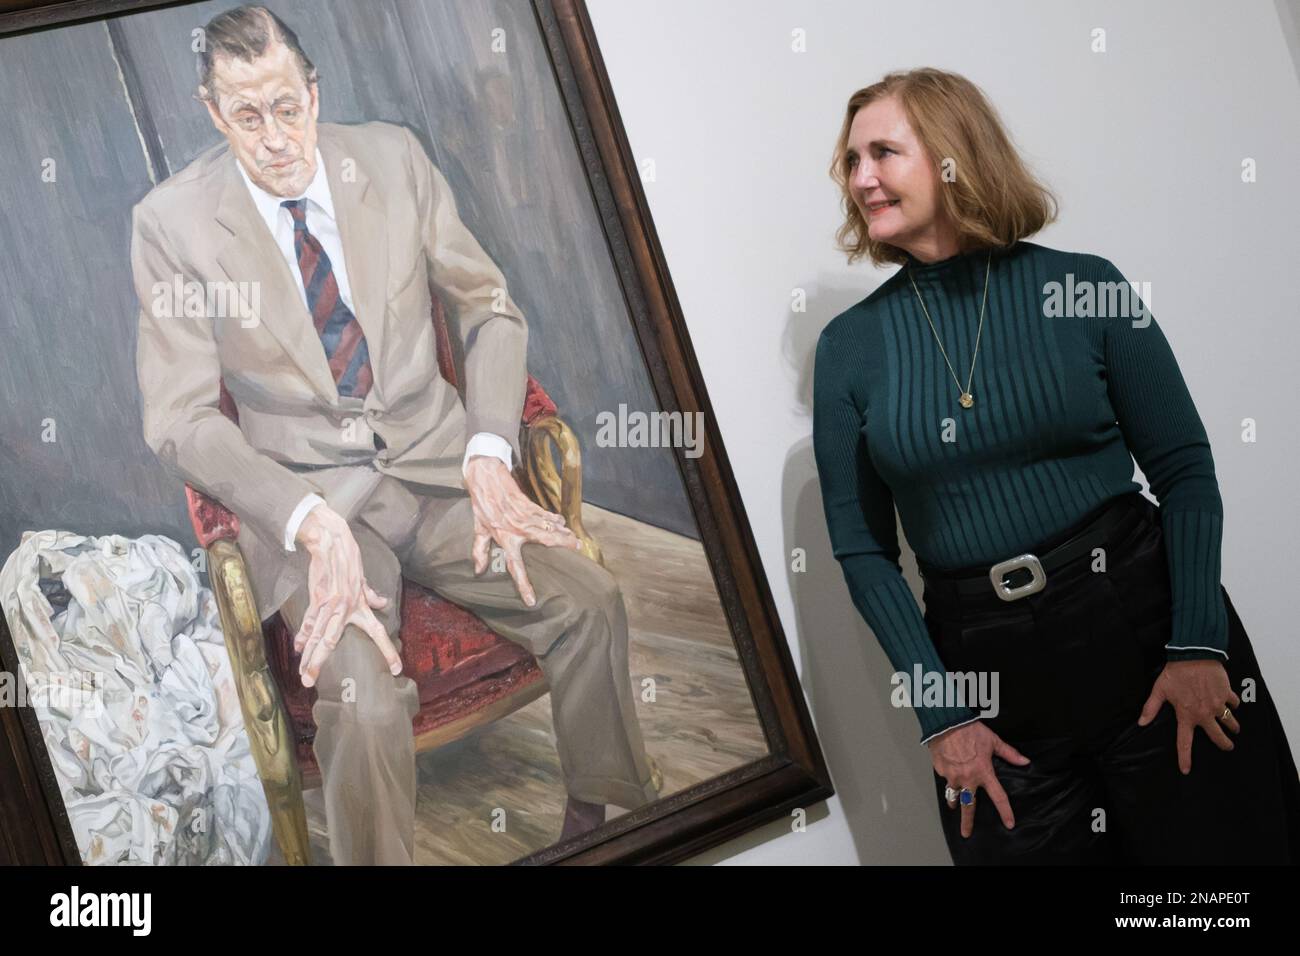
(1092, 532)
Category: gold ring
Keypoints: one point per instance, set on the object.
(1224, 715)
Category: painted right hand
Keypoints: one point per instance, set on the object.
(338, 594)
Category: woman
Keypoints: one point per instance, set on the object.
(998, 391)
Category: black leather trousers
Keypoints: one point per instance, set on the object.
(1076, 662)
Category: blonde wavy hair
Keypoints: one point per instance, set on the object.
(993, 202)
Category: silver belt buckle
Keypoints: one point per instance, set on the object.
(1002, 568)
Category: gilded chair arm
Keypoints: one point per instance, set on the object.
(265, 720)
(560, 492)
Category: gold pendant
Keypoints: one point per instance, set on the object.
(966, 400)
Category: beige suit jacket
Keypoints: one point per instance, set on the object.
(200, 230)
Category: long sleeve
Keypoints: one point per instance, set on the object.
(180, 379)
(860, 517)
(1162, 429)
(297, 518)
(491, 328)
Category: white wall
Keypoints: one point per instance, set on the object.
(1142, 143)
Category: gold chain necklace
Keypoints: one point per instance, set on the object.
(966, 399)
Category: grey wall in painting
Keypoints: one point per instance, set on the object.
(68, 308)
(111, 104)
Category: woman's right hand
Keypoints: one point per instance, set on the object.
(963, 757)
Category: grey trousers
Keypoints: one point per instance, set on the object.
(577, 629)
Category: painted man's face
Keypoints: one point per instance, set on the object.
(267, 112)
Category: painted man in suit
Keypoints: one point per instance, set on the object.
(350, 465)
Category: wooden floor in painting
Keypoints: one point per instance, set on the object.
(701, 724)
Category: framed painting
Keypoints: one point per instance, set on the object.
(362, 501)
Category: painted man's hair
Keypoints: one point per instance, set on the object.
(245, 33)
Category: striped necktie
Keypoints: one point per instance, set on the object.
(339, 330)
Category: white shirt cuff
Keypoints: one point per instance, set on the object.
(486, 443)
(296, 519)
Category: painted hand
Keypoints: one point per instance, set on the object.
(338, 594)
(504, 514)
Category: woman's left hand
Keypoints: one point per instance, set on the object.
(1199, 692)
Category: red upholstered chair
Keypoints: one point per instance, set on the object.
(466, 674)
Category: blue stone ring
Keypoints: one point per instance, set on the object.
(966, 795)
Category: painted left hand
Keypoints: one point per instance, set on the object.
(1198, 691)
(503, 513)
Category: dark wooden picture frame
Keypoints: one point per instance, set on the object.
(34, 827)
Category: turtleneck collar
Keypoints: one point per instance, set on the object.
(941, 269)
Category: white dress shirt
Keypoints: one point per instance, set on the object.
(323, 225)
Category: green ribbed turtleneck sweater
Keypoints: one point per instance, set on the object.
(1069, 386)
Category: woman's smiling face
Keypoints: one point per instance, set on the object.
(886, 163)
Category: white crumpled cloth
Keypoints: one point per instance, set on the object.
(126, 668)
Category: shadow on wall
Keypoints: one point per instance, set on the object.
(883, 775)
